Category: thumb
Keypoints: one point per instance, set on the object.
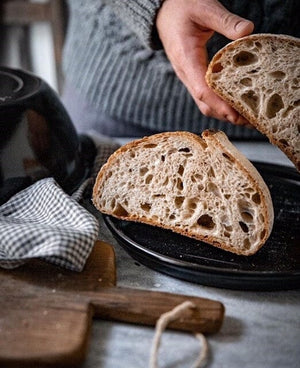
(230, 25)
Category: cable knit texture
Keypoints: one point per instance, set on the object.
(114, 59)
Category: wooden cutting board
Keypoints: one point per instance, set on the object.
(46, 312)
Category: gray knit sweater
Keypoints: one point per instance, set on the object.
(114, 59)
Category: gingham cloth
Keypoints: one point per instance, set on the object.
(42, 221)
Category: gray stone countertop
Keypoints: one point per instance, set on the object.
(260, 330)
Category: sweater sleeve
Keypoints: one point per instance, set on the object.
(140, 16)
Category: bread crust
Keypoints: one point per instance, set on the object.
(218, 139)
(291, 151)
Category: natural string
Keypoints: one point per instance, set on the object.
(161, 325)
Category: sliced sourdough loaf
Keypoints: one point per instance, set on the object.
(203, 188)
(259, 76)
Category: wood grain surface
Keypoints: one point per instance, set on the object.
(46, 312)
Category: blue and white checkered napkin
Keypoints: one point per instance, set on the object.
(42, 221)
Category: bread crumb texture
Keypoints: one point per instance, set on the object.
(259, 76)
(190, 185)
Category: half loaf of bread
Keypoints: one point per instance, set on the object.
(203, 188)
(259, 76)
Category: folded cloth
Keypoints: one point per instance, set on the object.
(42, 221)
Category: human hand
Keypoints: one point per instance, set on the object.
(184, 27)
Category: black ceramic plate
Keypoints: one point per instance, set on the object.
(276, 266)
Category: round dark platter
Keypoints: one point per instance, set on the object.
(276, 266)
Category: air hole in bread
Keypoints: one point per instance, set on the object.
(217, 68)
(192, 204)
(227, 157)
(212, 187)
(288, 110)
(246, 82)
(278, 75)
(206, 221)
(258, 44)
(246, 243)
(132, 154)
(163, 157)
(185, 149)
(251, 99)
(146, 207)
(284, 142)
(196, 177)
(211, 172)
(298, 127)
(244, 58)
(243, 205)
(149, 179)
(119, 210)
(113, 203)
(274, 105)
(228, 235)
(243, 226)
(180, 170)
(179, 201)
(296, 103)
(179, 184)
(171, 151)
(253, 71)
(227, 196)
(228, 228)
(143, 170)
(262, 234)
(200, 187)
(224, 218)
(172, 216)
(150, 145)
(247, 216)
(256, 198)
(165, 183)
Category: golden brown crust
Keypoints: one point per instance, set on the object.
(250, 171)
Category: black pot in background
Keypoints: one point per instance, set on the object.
(37, 137)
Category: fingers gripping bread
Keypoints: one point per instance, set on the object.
(203, 188)
(259, 76)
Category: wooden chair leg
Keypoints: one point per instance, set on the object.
(58, 31)
(23, 13)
